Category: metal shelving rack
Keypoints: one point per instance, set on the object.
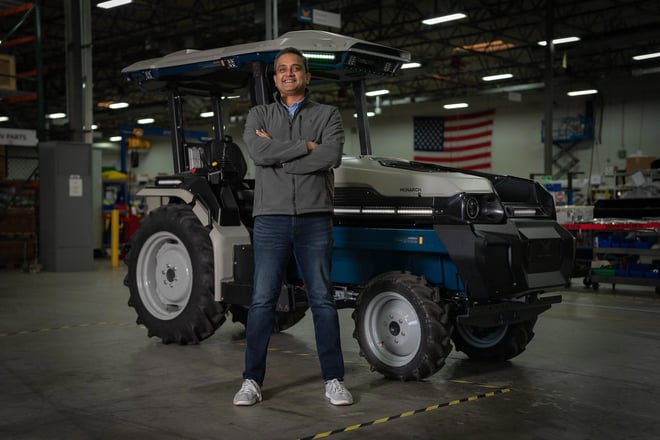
(646, 228)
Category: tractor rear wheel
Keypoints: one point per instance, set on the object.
(401, 332)
(171, 276)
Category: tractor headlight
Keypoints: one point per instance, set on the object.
(472, 208)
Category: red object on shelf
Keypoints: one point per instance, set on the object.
(131, 223)
(623, 226)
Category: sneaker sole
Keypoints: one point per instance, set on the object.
(245, 402)
(339, 402)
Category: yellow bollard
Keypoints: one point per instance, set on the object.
(114, 238)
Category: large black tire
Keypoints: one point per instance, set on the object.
(171, 277)
(498, 343)
(401, 332)
(283, 320)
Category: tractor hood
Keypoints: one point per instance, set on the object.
(402, 178)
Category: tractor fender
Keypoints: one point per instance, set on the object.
(223, 238)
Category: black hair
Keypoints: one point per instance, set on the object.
(294, 51)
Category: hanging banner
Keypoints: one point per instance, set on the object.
(16, 136)
(318, 16)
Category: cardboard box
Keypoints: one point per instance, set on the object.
(638, 163)
(7, 72)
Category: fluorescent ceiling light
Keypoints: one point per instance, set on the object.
(205, 114)
(456, 105)
(557, 41)
(650, 70)
(582, 92)
(444, 18)
(113, 3)
(95, 127)
(231, 97)
(646, 56)
(4, 118)
(497, 77)
(410, 65)
(56, 116)
(377, 92)
(369, 114)
(146, 121)
(115, 139)
(116, 105)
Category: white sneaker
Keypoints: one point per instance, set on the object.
(249, 394)
(336, 391)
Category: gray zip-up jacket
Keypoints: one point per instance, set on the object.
(289, 180)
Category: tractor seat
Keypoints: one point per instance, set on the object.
(230, 159)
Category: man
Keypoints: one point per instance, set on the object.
(295, 143)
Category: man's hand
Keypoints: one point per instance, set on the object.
(263, 133)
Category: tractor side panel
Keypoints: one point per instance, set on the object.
(361, 253)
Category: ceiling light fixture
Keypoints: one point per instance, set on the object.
(205, 114)
(410, 65)
(113, 3)
(646, 56)
(369, 114)
(650, 70)
(4, 118)
(456, 105)
(56, 115)
(582, 92)
(557, 41)
(146, 121)
(377, 92)
(115, 138)
(444, 18)
(116, 105)
(497, 77)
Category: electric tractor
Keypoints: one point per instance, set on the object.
(429, 258)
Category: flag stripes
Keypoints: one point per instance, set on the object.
(463, 141)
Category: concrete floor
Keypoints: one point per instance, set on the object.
(73, 365)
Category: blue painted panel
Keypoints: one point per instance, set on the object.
(362, 253)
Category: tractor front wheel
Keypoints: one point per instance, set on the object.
(500, 343)
(401, 332)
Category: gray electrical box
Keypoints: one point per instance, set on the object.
(66, 210)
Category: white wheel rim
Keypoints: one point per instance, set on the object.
(164, 275)
(392, 329)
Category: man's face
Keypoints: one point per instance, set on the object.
(290, 76)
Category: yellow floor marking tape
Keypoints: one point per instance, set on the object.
(64, 327)
(406, 414)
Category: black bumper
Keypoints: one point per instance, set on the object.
(512, 259)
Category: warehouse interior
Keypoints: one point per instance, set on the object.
(78, 141)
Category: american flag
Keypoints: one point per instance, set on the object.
(460, 141)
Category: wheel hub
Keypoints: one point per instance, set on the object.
(395, 328)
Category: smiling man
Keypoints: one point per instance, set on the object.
(295, 143)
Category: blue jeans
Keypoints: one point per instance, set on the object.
(309, 239)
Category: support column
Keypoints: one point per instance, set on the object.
(549, 86)
(79, 84)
